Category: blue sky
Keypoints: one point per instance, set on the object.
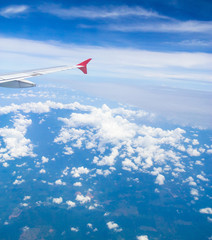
(152, 25)
(151, 46)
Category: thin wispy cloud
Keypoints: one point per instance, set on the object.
(115, 70)
(93, 12)
(119, 62)
(166, 27)
(13, 11)
(195, 43)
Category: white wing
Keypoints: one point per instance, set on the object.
(18, 80)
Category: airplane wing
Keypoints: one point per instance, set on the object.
(18, 80)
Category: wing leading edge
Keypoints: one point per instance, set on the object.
(18, 80)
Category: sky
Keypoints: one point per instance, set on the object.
(153, 54)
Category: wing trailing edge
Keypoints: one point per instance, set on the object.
(19, 83)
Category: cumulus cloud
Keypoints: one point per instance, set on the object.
(103, 126)
(14, 138)
(57, 200)
(160, 179)
(70, 203)
(77, 184)
(24, 204)
(5, 164)
(60, 182)
(202, 178)
(194, 192)
(108, 160)
(18, 182)
(65, 171)
(209, 151)
(27, 198)
(89, 225)
(191, 182)
(68, 150)
(39, 107)
(44, 159)
(115, 134)
(77, 172)
(142, 237)
(193, 152)
(74, 229)
(42, 171)
(129, 165)
(82, 199)
(195, 142)
(114, 226)
(103, 172)
(207, 210)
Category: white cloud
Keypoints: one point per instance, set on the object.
(16, 144)
(129, 165)
(116, 135)
(195, 43)
(142, 237)
(209, 151)
(68, 150)
(160, 179)
(83, 199)
(202, 178)
(167, 27)
(27, 198)
(39, 107)
(103, 172)
(206, 210)
(57, 200)
(65, 171)
(42, 171)
(108, 160)
(44, 159)
(91, 208)
(77, 184)
(77, 172)
(5, 164)
(21, 165)
(13, 11)
(60, 182)
(90, 225)
(71, 204)
(24, 204)
(122, 63)
(18, 182)
(193, 152)
(98, 12)
(74, 229)
(114, 226)
(199, 163)
(191, 181)
(194, 192)
(128, 64)
(195, 142)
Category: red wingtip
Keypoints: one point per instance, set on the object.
(83, 65)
